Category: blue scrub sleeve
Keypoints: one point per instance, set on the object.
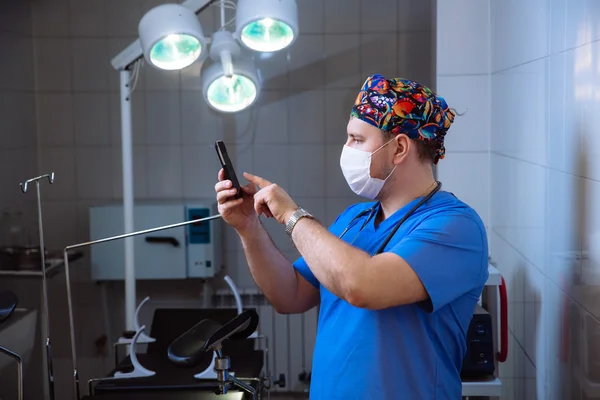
(449, 255)
(303, 269)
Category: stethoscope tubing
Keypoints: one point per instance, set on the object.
(371, 212)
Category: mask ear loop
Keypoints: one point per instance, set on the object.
(382, 146)
(390, 174)
(375, 151)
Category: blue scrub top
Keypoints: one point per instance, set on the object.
(415, 351)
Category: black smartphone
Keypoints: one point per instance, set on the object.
(228, 167)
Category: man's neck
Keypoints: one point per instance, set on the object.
(393, 201)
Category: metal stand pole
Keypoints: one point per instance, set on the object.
(127, 155)
(225, 379)
(50, 369)
(68, 281)
(19, 361)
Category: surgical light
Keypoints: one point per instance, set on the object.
(267, 25)
(171, 37)
(231, 84)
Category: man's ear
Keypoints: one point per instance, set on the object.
(402, 147)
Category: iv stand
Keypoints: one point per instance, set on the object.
(68, 281)
(44, 287)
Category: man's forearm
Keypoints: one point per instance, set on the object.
(272, 272)
(335, 263)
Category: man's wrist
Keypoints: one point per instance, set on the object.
(250, 228)
(298, 223)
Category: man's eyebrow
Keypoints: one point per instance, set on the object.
(356, 135)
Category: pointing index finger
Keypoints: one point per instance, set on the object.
(257, 180)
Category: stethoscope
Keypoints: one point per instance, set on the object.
(372, 211)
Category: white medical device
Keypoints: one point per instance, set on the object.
(192, 251)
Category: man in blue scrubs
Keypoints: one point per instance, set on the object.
(392, 321)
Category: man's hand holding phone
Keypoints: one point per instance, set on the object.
(238, 213)
(235, 202)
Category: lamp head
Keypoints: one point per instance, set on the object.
(267, 25)
(232, 92)
(171, 37)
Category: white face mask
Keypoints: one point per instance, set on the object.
(356, 167)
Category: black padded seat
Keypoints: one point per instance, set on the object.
(8, 303)
(207, 335)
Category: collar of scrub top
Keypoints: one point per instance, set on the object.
(373, 210)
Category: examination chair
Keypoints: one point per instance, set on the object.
(8, 303)
(175, 370)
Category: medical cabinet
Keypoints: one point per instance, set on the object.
(192, 251)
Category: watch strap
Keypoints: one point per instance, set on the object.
(296, 216)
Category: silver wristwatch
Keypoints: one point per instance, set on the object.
(296, 216)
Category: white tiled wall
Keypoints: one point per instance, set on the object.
(463, 79)
(18, 116)
(544, 211)
(297, 125)
(18, 162)
(545, 204)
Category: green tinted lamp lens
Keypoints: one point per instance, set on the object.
(231, 94)
(176, 51)
(267, 35)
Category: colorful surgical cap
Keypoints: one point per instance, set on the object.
(403, 106)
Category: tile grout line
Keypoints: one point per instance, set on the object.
(541, 166)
